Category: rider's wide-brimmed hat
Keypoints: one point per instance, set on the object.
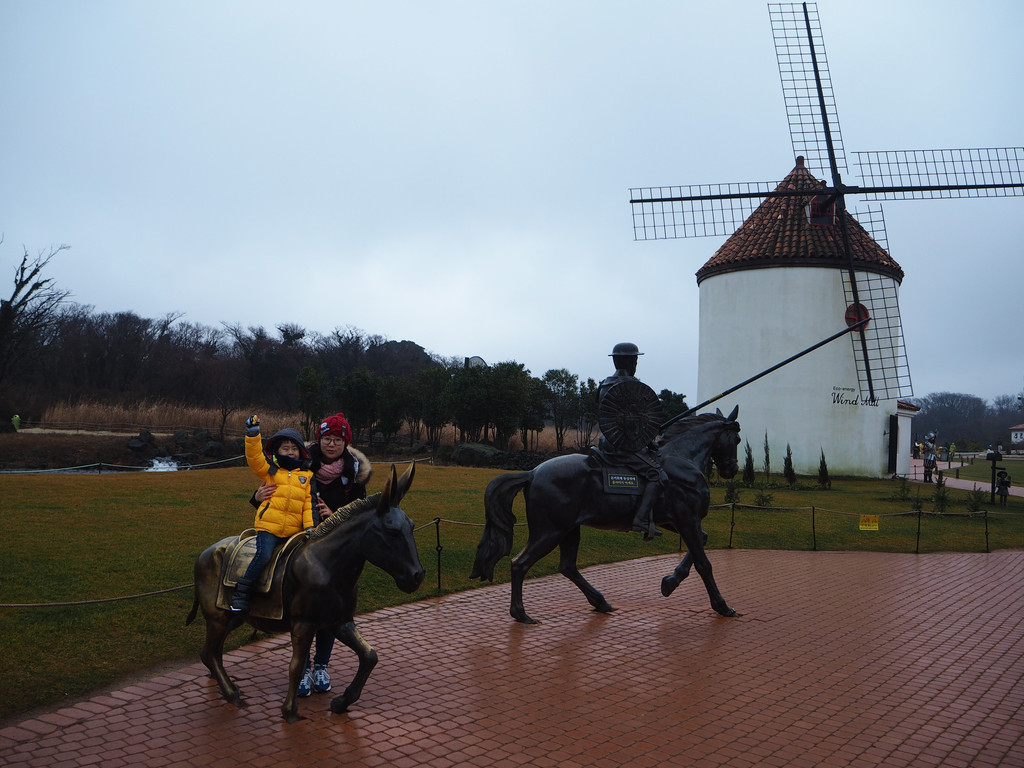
(625, 349)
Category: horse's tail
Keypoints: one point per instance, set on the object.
(193, 612)
(496, 541)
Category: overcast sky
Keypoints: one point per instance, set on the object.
(458, 173)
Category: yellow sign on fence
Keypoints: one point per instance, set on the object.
(869, 522)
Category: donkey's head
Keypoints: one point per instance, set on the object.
(389, 540)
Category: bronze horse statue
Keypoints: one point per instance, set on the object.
(318, 585)
(567, 492)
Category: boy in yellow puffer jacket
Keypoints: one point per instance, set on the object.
(289, 511)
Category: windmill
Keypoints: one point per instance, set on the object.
(717, 209)
(882, 372)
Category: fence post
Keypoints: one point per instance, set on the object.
(986, 532)
(917, 546)
(814, 532)
(732, 522)
(437, 531)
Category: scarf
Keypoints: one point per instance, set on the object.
(328, 473)
(285, 462)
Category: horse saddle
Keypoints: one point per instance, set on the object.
(267, 598)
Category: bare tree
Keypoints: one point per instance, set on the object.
(26, 317)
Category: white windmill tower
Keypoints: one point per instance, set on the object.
(801, 268)
(774, 287)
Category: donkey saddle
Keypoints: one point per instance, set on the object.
(267, 594)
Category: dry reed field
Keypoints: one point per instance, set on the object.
(163, 417)
(156, 416)
(89, 433)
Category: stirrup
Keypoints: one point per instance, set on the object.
(648, 529)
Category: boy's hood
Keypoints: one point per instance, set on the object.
(288, 434)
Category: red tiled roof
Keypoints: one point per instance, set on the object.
(778, 234)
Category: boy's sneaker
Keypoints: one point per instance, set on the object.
(321, 680)
(306, 683)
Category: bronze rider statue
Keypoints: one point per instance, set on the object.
(626, 438)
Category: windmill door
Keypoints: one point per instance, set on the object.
(894, 442)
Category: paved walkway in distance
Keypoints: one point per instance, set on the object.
(837, 659)
(949, 476)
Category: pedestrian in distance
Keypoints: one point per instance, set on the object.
(1002, 486)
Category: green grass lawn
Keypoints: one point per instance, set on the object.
(72, 538)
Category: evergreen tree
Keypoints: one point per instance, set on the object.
(823, 479)
(748, 465)
(787, 467)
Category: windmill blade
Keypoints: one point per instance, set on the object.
(698, 210)
(883, 371)
(872, 219)
(814, 131)
(917, 174)
(807, 88)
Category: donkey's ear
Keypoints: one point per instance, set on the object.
(735, 412)
(402, 486)
(387, 499)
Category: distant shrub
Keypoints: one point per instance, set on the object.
(940, 496)
(748, 466)
(732, 492)
(787, 468)
(902, 492)
(824, 482)
(975, 499)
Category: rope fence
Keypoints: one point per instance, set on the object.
(439, 546)
(920, 514)
(97, 601)
(174, 467)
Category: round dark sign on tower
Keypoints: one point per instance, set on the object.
(855, 313)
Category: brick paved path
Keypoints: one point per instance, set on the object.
(837, 659)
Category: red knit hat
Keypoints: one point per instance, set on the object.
(336, 425)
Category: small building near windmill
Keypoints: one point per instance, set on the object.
(780, 284)
(1017, 436)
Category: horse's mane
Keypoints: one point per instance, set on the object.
(342, 515)
(689, 424)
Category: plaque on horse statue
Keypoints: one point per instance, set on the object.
(629, 415)
(622, 483)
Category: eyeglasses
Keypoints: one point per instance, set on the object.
(332, 440)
